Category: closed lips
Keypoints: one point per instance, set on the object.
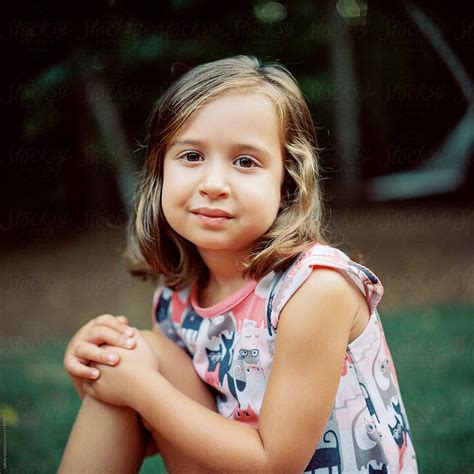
(212, 213)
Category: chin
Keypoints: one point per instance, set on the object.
(223, 246)
(213, 246)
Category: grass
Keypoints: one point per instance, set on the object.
(432, 350)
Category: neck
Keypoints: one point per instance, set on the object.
(225, 273)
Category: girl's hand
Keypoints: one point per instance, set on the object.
(116, 385)
(84, 347)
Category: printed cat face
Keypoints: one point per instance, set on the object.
(372, 431)
(384, 367)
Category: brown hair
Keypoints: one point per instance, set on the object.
(154, 248)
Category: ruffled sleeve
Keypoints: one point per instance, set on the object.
(324, 256)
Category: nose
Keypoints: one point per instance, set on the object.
(214, 183)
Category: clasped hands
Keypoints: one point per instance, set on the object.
(89, 350)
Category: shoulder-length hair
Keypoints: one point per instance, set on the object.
(155, 249)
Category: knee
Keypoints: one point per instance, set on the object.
(153, 339)
(147, 334)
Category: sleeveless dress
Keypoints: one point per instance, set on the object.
(232, 347)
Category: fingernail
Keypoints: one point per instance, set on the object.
(112, 358)
(128, 332)
(95, 373)
(129, 342)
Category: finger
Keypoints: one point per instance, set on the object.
(100, 334)
(119, 323)
(75, 368)
(113, 322)
(123, 320)
(127, 329)
(93, 353)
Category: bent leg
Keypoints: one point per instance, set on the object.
(104, 438)
(108, 438)
(176, 366)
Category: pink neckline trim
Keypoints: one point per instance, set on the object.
(224, 305)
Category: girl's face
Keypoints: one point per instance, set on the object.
(223, 173)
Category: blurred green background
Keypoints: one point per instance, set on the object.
(390, 89)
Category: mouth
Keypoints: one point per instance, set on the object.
(214, 213)
(212, 217)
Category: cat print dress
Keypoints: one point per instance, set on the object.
(232, 342)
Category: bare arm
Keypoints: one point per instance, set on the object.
(313, 334)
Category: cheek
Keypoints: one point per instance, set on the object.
(164, 196)
(275, 200)
(169, 188)
(271, 190)
(264, 201)
(167, 204)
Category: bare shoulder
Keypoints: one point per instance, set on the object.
(313, 332)
(328, 289)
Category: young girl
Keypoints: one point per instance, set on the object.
(229, 218)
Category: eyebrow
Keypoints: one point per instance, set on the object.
(235, 145)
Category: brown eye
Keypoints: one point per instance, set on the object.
(245, 162)
(191, 157)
